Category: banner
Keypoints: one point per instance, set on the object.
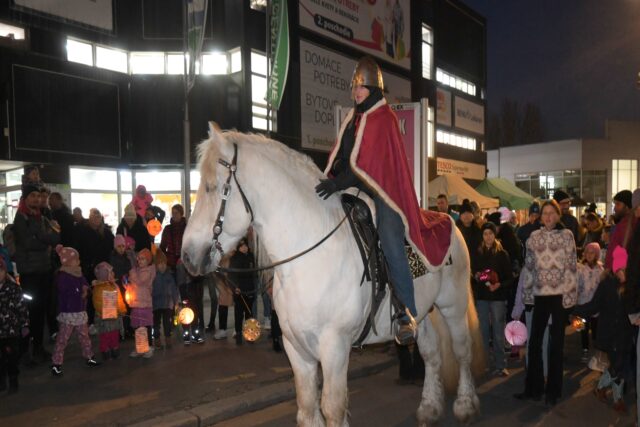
(463, 169)
(196, 23)
(325, 82)
(469, 116)
(279, 52)
(379, 28)
(95, 13)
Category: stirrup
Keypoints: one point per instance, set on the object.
(406, 328)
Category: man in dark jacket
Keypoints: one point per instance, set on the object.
(569, 221)
(171, 243)
(534, 224)
(34, 237)
(62, 215)
(469, 228)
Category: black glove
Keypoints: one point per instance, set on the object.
(326, 188)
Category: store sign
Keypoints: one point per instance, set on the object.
(95, 13)
(379, 28)
(443, 111)
(325, 82)
(462, 169)
(469, 116)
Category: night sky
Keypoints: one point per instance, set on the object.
(578, 60)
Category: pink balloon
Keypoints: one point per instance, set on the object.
(515, 332)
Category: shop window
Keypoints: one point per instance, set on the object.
(112, 59)
(79, 52)
(11, 32)
(236, 60)
(430, 133)
(126, 181)
(14, 177)
(106, 203)
(259, 108)
(427, 52)
(93, 179)
(215, 63)
(159, 180)
(456, 140)
(147, 62)
(455, 82)
(624, 175)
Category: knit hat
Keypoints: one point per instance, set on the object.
(489, 225)
(67, 255)
(619, 259)
(495, 218)
(161, 258)
(465, 207)
(102, 271)
(560, 196)
(129, 211)
(635, 198)
(534, 208)
(147, 254)
(119, 240)
(593, 246)
(625, 197)
(29, 188)
(141, 189)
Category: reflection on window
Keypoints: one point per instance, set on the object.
(159, 180)
(111, 59)
(147, 62)
(93, 179)
(79, 52)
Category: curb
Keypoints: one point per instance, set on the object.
(210, 413)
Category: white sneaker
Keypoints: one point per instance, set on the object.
(220, 334)
(266, 325)
(92, 330)
(134, 354)
(148, 354)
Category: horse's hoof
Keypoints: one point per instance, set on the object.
(466, 408)
(428, 414)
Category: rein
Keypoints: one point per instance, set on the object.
(217, 228)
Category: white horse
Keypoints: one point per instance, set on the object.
(321, 306)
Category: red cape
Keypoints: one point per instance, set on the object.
(378, 159)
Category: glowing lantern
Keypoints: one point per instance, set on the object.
(154, 227)
(128, 296)
(251, 329)
(516, 333)
(578, 323)
(185, 316)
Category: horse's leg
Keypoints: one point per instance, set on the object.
(305, 374)
(467, 404)
(431, 405)
(334, 358)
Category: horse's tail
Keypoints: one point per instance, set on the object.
(450, 370)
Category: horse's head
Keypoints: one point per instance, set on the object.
(215, 158)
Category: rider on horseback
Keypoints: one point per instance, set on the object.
(373, 160)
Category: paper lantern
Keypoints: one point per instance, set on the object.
(154, 227)
(251, 329)
(142, 340)
(578, 323)
(185, 316)
(516, 333)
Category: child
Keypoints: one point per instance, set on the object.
(165, 298)
(72, 290)
(15, 323)
(139, 291)
(589, 275)
(108, 326)
(141, 200)
(615, 332)
(121, 264)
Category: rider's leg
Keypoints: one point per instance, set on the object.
(391, 233)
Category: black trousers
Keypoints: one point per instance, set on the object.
(544, 307)
(164, 316)
(38, 286)
(195, 295)
(241, 310)
(9, 357)
(590, 325)
(223, 315)
(276, 332)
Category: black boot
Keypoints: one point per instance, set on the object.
(238, 338)
(13, 385)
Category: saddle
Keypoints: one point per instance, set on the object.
(360, 213)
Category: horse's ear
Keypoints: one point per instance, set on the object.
(214, 128)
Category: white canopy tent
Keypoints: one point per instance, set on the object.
(457, 190)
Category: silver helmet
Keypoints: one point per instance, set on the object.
(367, 73)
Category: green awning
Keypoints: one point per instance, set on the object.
(510, 196)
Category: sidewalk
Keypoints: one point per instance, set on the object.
(191, 385)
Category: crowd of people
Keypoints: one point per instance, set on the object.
(62, 274)
(552, 271)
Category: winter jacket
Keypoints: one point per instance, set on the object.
(614, 328)
(524, 232)
(617, 238)
(70, 289)
(13, 311)
(588, 280)
(165, 291)
(34, 238)
(472, 237)
(500, 263)
(121, 265)
(137, 232)
(98, 288)
(571, 223)
(93, 248)
(64, 218)
(594, 235)
(550, 266)
(171, 243)
(245, 281)
(140, 286)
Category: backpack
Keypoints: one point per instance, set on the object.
(9, 240)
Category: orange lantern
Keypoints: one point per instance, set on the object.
(185, 316)
(251, 329)
(154, 227)
(578, 323)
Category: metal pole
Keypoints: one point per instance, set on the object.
(186, 126)
(268, 56)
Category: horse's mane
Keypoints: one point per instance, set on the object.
(297, 165)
